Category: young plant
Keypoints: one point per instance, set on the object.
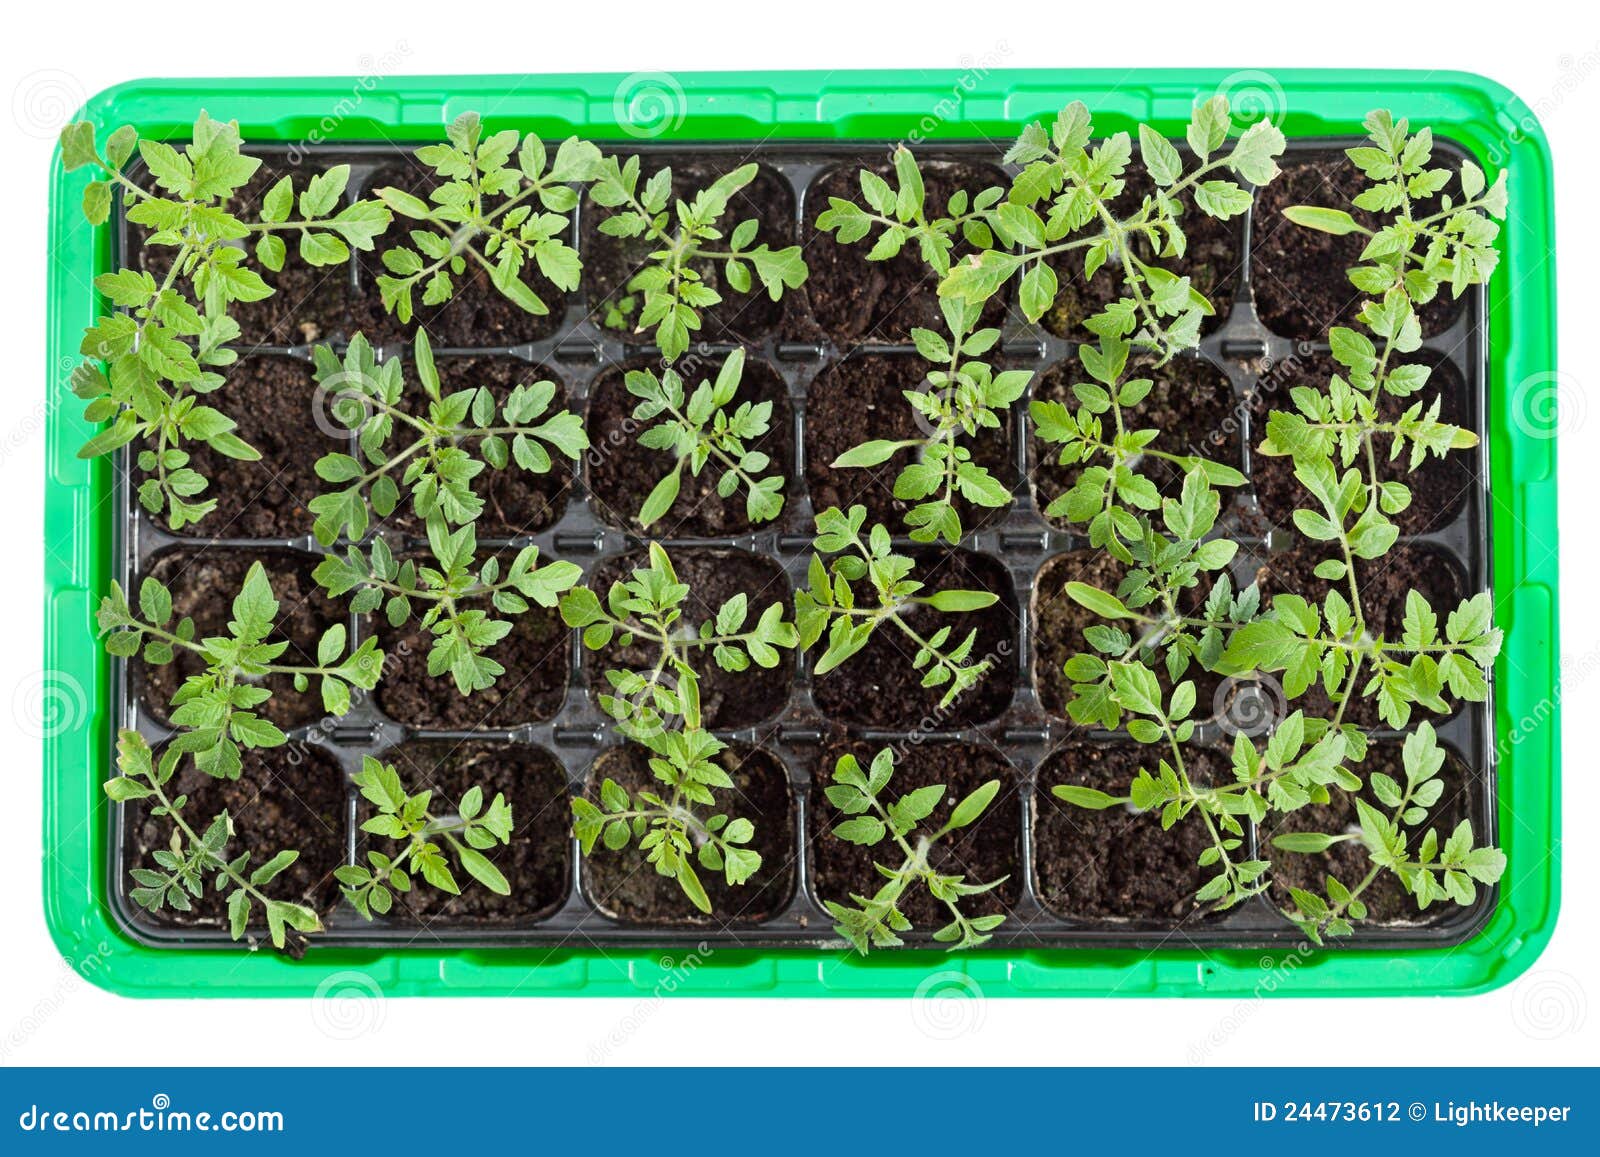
(453, 590)
(429, 841)
(1415, 252)
(698, 428)
(183, 867)
(1110, 492)
(215, 709)
(1163, 627)
(462, 433)
(1434, 869)
(685, 236)
(828, 604)
(1063, 202)
(506, 217)
(876, 920)
(648, 607)
(899, 214)
(1411, 257)
(167, 341)
(677, 825)
(962, 397)
(1331, 441)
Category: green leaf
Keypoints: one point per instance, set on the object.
(1107, 606)
(1335, 221)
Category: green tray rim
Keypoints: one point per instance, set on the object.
(1478, 113)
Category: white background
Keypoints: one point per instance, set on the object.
(58, 53)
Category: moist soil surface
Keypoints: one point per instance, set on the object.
(623, 885)
(984, 852)
(610, 262)
(878, 687)
(622, 473)
(863, 398)
(1059, 623)
(727, 698)
(1386, 898)
(1211, 261)
(515, 501)
(1383, 582)
(1439, 486)
(285, 798)
(855, 300)
(1191, 402)
(477, 314)
(308, 303)
(536, 655)
(1116, 864)
(537, 861)
(272, 400)
(203, 583)
(1300, 276)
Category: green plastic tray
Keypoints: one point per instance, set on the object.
(1477, 113)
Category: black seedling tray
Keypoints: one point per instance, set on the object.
(1022, 539)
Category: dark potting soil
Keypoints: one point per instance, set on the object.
(989, 849)
(1116, 864)
(727, 698)
(1211, 261)
(537, 861)
(1439, 486)
(622, 473)
(1383, 582)
(536, 655)
(878, 687)
(1059, 623)
(285, 798)
(853, 299)
(477, 314)
(1191, 403)
(863, 398)
(1300, 276)
(624, 886)
(1386, 899)
(308, 302)
(273, 401)
(610, 262)
(515, 501)
(203, 582)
